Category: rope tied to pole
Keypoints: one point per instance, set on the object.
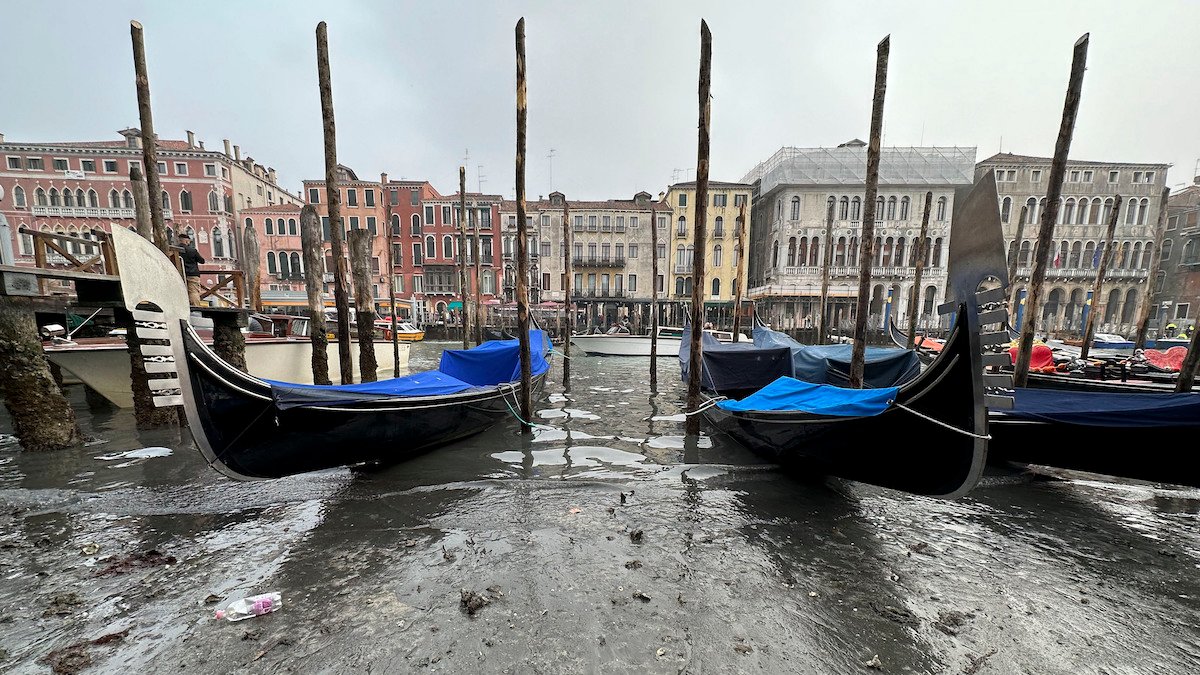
(946, 425)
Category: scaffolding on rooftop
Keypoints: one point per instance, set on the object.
(847, 165)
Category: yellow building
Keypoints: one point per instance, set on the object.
(722, 255)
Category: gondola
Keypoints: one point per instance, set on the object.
(249, 428)
(928, 436)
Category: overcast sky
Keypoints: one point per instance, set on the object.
(612, 85)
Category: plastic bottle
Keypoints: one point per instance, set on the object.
(254, 605)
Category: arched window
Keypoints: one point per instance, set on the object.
(1089, 259)
(1094, 215)
(166, 201)
(1076, 249)
(852, 259)
(249, 224)
(898, 255)
(678, 285)
(1030, 211)
(1081, 214)
(1067, 214)
(415, 227)
(791, 256)
(716, 287)
(93, 199)
(1137, 254)
(271, 268)
(68, 198)
(687, 285)
(719, 226)
(127, 199)
(775, 254)
(395, 224)
(292, 227)
(937, 251)
(218, 243)
(681, 226)
(1168, 245)
(489, 282)
(80, 198)
(54, 198)
(1148, 255)
(839, 253)
(878, 252)
(795, 209)
(430, 247)
(856, 209)
(269, 226)
(891, 208)
(296, 270)
(18, 196)
(878, 209)
(285, 268)
(1143, 211)
(904, 203)
(1131, 212)
(844, 208)
(1106, 212)
(39, 197)
(214, 202)
(447, 246)
(941, 208)
(185, 201)
(889, 245)
(813, 247)
(716, 256)
(1026, 252)
(779, 209)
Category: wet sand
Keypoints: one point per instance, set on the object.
(605, 543)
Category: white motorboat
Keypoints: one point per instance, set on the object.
(103, 363)
(628, 344)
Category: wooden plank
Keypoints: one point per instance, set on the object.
(998, 338)
(993, 316)
(50, 273)
(1003, 380)
(998, 402)
(997, 359)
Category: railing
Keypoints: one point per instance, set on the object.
(1121, 274)
(51, 251)
(227, 283)
(684, 269)
(89, 212)
(598, 261)
(601, 293)
(902, 272)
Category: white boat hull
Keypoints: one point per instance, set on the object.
(624, 345)
(105, 367)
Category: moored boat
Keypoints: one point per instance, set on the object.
(251, 428)
(628, 344)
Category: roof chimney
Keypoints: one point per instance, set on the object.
(271, 175)
(191, 139)
(201, 145)
(382, 176)
(1, 138)
(237, 153)
(1195, 180)
(228, 150)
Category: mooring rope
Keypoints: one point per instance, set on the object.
(705, 406)
(951, 427)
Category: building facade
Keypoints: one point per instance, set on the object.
(1089, 193)
(722, 257)
(1177, 287)
(794, 191)
(362, 207)
(440, 252)
(280, 253)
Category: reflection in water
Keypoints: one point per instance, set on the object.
(739, 566)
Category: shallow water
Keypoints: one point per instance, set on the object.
(739, 566)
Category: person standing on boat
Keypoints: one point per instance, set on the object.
(191, 268)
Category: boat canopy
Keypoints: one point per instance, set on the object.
(745, 365)
(790, 394)
(1104, 409)
(482, 367)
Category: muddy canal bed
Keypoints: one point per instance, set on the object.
(606, 542)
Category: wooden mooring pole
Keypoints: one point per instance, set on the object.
(653, 300)
(1089, 330)
(464, 290)
(739, 279)
(568, 272)
(391, 284)
(477, 251)
(914, 296)
(364, 303)
(228, 340)
(251, 267)
(334, 202)
(866, 256)
(696, 356)
(1012, 267)
(141, 205)
(522, 239)
(314, 285)
(42, 417)
(1045, 242)
(823, 317)
(149, 142)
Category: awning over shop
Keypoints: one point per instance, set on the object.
(457, 304)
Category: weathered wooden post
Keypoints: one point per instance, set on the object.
(314, 263)
(228, 341)
(567, 278)
(1187, 371)
(141, 205)
(149, 141)
(914, 298)
(522, 242)
(334, 200)
(391, 285)
(1089, 330)
(822, 318)
(1045, 243)
(738, 278)
(653, 300)
(1155, 260)
(1012, 266)
(866, 256)
(251, 267)
(696, 357)
(465, 290)
(477, 248)
(42, 417)
(364, 303)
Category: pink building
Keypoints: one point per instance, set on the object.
(281, 256)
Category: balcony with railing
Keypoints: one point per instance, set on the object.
(89, 212)
(601, 293)
(598, 261)
(1086, 274)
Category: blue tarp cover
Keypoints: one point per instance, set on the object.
(830, 364)
(1106, 409)
(484, 366)
(790, 394)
